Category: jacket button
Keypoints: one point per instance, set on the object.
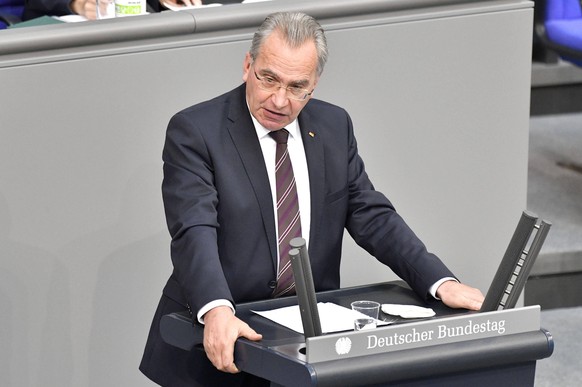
(272, 284)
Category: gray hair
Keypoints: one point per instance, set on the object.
(297, 28)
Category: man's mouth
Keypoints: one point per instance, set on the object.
(274, 113)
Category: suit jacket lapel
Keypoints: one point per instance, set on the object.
(316, 165)
(244, 137)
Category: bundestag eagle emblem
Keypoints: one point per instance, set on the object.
(343, 345)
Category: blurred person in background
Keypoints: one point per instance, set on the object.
(88, 8)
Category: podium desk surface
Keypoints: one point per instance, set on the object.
(396, 292)
(280, 356)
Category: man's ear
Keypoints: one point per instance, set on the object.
(247, 66)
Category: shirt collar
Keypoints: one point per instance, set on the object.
(292, 128)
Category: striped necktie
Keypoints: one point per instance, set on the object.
(289, 222)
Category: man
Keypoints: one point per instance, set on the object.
(220, 192)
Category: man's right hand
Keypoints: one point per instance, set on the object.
(221, 330)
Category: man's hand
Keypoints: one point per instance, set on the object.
(221, 329)
(86, 8)
(457, 295)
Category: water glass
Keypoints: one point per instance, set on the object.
(105, 9)
(365, 314)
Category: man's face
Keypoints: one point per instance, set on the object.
(296, 67)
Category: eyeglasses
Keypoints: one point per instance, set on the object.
(268, 83)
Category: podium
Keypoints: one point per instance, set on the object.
(500, 360)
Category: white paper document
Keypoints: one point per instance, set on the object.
(407, 311)
(333, 318)
(180, 7)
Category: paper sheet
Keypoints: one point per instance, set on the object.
(333, 318)
(181, 7)
(407, 311)
(71, 18)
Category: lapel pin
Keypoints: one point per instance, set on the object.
(312, 134)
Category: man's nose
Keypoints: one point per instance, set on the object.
(280, 98)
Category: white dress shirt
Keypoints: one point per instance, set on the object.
(299, 163)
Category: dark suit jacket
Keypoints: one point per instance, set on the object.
(220, 215)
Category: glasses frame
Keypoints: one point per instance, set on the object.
(279, 85)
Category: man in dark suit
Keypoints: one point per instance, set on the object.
(219, 195)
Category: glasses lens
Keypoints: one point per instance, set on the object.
(269, 84)
(296, 92)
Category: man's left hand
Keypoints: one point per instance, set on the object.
(458, 295)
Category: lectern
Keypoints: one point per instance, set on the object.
(466, 357)
(497, 347)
